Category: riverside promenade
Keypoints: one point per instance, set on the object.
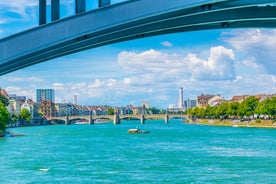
(256, 123)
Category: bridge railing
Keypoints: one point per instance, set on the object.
(80, 7)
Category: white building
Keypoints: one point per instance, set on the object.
(14, 106)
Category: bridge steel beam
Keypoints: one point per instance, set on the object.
(42, 12)
(55, 10)
(125, 21)
(103, 3)
(80, 6)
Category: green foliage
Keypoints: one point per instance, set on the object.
(247, 108)
(233, 108)
(110, 111)
(4, 116)
(25, 114)
(163, 111)
(271, 107)
(153, 110)
(4, 100)
(14, 118)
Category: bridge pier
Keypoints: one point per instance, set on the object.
(142, 119)
(103, 3)
(66, 120)
(116, 119)
(91, 120)
(166, 118)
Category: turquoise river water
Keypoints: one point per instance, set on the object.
(170, 153)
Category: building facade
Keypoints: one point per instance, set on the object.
(45, 94)
(47, 108)
(203, 100)
(190, 103)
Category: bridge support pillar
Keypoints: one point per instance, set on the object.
(91, 120)
(80, 6)
(66, 120)
(55, 10)
(116, 119)
(166, 118)
(42, 12)
(142, 119)
(103, 3)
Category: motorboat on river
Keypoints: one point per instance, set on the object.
(137, 131)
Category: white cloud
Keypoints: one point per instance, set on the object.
(18, 6)
(23, 79)
(218, 66)
(258, 44)
(21, 91)
(167, 44)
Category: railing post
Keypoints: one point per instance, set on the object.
(55, 10)
(103, 3)
(42, 12)
(80, 6)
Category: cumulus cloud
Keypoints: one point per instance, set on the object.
(167, 44)
(218, 66)
(22, 91)
(258, 44)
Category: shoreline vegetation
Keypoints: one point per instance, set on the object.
(256, 123)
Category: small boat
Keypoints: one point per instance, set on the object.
(137, 131)
(13, 134)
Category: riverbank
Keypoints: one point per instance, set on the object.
(235, 123)
(2, 134)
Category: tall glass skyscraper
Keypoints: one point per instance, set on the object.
(45, 94)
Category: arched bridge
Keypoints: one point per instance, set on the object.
(125, 21)
(117, 118)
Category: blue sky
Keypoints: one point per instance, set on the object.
(226, 62)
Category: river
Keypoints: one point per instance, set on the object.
(170, 153)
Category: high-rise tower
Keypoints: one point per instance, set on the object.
(75, 99)
(180, 103)
(45, 94)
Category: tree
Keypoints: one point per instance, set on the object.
(14, 118)
(25, 114)
(271, 107)
(262, 107)
(222, 110)
(4, 117)
(248, 106)
(153, 110)
(110, 111)
(233, 108)
(4, 100)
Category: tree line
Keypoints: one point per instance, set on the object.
(251, 107)
(6, 117)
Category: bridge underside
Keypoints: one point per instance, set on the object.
(127, 21)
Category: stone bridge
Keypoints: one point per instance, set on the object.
(116, 118)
